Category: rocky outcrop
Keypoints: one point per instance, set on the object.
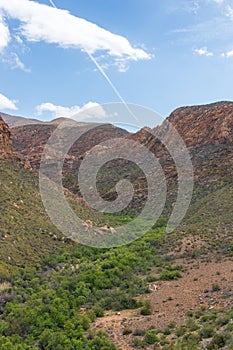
(204, 125)
(29, 140)
(206, 130)
(208, 134)
(6, 149)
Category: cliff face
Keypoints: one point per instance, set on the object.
(29, 140)
(208, 134)
(197, 125)
(207, 131)
(5, 140)
(204, 125)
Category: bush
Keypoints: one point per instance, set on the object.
(127, 331)
(151, 337)
(217, 342)
(216, 287)
(138, 342)
(168, 275)
(180, 331)
(192, 325)
(206, 332)
(146, 310)
(98, 311)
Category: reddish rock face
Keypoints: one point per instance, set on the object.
(197, 125)
(208, 134)
(207, 131)
(5, 140)
(30, 140)
(203, 125)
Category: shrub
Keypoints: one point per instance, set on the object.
(170, 275)
(151, 337)
(138, 342)
(216, 287)
(217, 342)
(206, 332)
(180, 331)
(146, 309)
(127, 331)
(98, 310)
(192, 325)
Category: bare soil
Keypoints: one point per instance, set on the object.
(171, 300)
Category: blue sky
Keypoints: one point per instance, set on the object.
(158, 54)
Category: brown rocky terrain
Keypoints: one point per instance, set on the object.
(206, 131)
(29, 140)
(205, 252)
(5, 140)
(172, 300)
(14, 121)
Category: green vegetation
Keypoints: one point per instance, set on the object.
(208, 329)
(51, 291)
(146, 309)
(26, 234)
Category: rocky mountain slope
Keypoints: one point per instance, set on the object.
(29, 140)
(208, 133)
(5, 140)
(13, 121)
(52, 290)
(206, 130)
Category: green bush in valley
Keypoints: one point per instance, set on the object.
(146, 309)
(151, 337)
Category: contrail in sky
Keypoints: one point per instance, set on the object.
(100, 69)
(52, 3)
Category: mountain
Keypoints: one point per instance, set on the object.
(13, 121)
(29, 140)
(206, 131)
(26, 234)
(204, 125)
(174, 291)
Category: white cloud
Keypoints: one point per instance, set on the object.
(91, 110)
(40, 22)
(190, 6)
(13, 60)
(219, 2)
(228, 54)
(4, 34)
(229, 12)
(6, 103)
(203, 51)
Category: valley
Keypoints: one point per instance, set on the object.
(162, 291)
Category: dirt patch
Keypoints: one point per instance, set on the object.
(202, 284)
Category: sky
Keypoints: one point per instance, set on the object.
(58, 58)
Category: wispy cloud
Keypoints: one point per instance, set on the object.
(6, 103)
(13, 60)
(40, 22)
(215, 30)
(4, 34)
(219, 2)
(203, 51)
(227, 54)
(189, 6)
(89, 111)
(229, 12)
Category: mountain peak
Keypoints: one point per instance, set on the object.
(204, 124)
